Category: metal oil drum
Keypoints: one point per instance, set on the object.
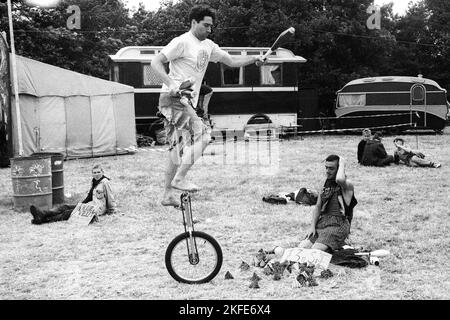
(32, 182)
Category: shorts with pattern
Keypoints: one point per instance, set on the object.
(181, 123)
(331, 230)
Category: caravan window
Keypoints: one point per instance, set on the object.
(352, 100)
(150, 78)
(232, 76)
(116, 73)
(271, 74)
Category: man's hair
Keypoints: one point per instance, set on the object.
(332, 157)
(97, 166)
(367, 130)
(199, 12)
(399, 139)
(378, 135)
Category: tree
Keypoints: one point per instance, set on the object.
(331, 35)
(439, 28)
(41, 34)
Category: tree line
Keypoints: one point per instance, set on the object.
(331, 34)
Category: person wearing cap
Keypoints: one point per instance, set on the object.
(367, 135)
(411, 157)
(375, 154)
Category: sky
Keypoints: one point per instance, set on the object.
(400, 6)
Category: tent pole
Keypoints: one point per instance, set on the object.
(16, 85)
(8, 101)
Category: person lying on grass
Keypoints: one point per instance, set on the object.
(410, 157)
(100, 196)
(333, 213)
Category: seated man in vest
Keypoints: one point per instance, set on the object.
(375, 154)
(333, 213)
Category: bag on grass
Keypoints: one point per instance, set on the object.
(347, 258)
(275, 199)
(306, 196)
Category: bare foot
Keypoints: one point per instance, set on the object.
(184, 186)
(170, 201)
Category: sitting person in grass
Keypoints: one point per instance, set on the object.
(333, 213)
(411, 157)
(100, 196)
(367, 135)
(375, 154)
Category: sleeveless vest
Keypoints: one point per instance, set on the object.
(333, 201)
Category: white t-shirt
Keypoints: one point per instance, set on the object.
(188, 59)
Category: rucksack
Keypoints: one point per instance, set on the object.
(306, 196)
(275, 199)
(347, 258)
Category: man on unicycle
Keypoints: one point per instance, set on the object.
(188, 56)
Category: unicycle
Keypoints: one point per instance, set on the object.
(192, 257)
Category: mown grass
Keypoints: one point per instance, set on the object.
(401, 209)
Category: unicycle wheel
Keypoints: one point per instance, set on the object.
(209, 258)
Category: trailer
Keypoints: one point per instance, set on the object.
(396, 103)
(239, 94)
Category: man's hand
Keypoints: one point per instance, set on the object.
(311, 233)
(419, 154)
(259, 61)
(173, 89)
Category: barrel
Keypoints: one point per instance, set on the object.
(57, 160)
(32, 182)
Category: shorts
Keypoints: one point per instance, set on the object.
(332, 231)
(181, 123)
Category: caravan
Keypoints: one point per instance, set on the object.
(239, 94)
(393, 102)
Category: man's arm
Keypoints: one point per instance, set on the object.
(406, 149)
(315, 217)
(110, 199)
(380, 151)
(341, 179)
(241, 61)
(158, 66)
(409, 150)
(361, 146)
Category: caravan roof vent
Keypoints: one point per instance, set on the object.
(418, 80)
(387, 78)
(368, 79)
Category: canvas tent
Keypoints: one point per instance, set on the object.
(71, 113)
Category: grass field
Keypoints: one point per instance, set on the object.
(401, 209)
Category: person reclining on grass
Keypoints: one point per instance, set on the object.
(367, 135)
(375, 154)
(333, 213)
(100, 195)
(410, 157)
